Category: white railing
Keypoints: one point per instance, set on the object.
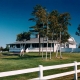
(70, 49)
(41, 49)
(31, 49)
(41, 69)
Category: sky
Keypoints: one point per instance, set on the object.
(15, 15)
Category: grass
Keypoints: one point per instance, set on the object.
(9, 62)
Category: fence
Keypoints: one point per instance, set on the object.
(70, 49)
(41, 69)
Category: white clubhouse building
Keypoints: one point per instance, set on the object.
(33, 45)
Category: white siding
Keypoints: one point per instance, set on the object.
(72, 46)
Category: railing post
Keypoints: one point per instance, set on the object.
(75, 69)
(40, 72)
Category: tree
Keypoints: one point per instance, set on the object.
(79, 45)
(23, 36)
(78, 31)
(53, 20)
(37, 30)
(53, 25)
(63, 22)
(1, 48)
(58, 26)
(6, 49)
(39, 17)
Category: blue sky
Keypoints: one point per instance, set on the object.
(14, 15)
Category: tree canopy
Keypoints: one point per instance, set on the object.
(23, 36)
(78, 31)
(53, 25)
(39, 17)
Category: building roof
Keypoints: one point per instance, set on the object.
(34, 40)
(71, 40)
(42, 40)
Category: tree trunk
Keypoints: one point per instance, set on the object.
(43, 41)
(47, 48)
(52, 39)
(50, 50)
(60, 45)
(39, 44)
(57, 49)
(47, 39)
(42, 47)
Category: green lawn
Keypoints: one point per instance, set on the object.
(9, 61)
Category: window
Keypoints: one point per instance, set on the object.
(27, 45)
(18, 45)
(45, 45)
(49, 45)
(35, 45)
(52, 44)
(12, 45)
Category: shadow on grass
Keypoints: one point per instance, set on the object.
(25, 57)
(16, 56)
(10, 54)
